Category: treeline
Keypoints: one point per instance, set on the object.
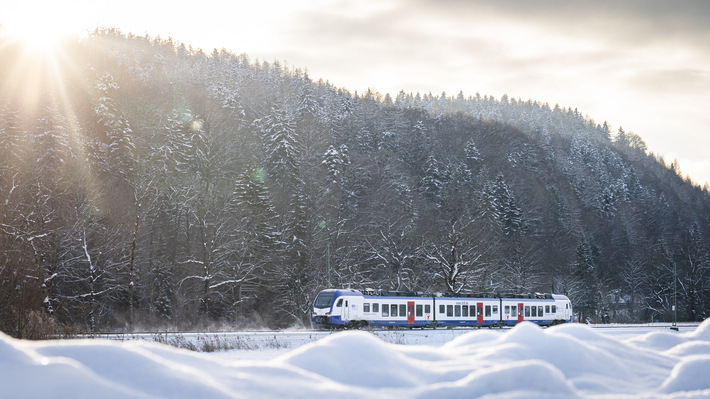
(147, 184)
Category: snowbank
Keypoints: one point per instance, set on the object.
(561, 362)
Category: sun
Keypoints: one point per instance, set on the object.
(38, 38)
(34, 58)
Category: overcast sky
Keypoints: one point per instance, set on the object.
(643, 65)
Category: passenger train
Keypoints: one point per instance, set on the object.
(347, 308)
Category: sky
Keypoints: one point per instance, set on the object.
(643, 65)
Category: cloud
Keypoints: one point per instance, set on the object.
(633, 22)
(643, 64)
(676, 81)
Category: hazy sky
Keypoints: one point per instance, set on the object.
(643, 65)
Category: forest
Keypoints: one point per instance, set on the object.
(146, 185)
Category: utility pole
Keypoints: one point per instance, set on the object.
(322, 225)
(675, 298)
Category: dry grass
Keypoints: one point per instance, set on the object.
(215, 342)
(42, 326)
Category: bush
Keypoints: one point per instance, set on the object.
(40, 325)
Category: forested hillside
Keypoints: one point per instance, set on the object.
(146, 184)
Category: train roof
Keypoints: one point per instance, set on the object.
(380, 292)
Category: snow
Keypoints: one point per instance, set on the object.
(568, 361)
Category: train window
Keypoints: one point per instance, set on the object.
(340, 302)
(527, 311)
(554, 309)
(441, 309)
(488, 310)
(495, 309)
(450, 310)
(385, 310)
(393, 310)
(547, 308)
(419, 311)
(324, 300)
(427, 308)
(534, 311)
(457, 311)
(507, 310)
(539, 311)
(403, 310)
(566, 305)
(375, 307)
(366, 307)
(464, 310)
(513, 311)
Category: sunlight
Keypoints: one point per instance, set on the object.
(36, 77)
(39, 38)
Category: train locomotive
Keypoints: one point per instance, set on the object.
(348, 308)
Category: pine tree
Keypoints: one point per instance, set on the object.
(500, 206)
(307, 102)
(473, 156)
(336, 161)
(634, 278)
(258, 236)
(119, 134)
(279, 129)
(584, 270)
(164, 295)
(431, 183)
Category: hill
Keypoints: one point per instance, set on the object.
(148, 183)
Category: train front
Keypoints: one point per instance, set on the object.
(323, 308)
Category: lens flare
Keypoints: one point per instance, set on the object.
(258, 175)
(196, 125)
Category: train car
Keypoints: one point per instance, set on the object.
(467, 311)
(348, 308)
(353, 309)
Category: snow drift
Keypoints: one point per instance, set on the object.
(566, 361)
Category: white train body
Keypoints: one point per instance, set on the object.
(352, 308)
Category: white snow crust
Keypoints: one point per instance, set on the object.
(568, 361)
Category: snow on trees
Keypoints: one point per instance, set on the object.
(197, 184)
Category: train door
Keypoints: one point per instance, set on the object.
(520, 313)
(479, 313)
(346, 312)
(338, 308)
(410, 312)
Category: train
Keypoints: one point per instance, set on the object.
(349, 308)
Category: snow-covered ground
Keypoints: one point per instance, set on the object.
(566, 361)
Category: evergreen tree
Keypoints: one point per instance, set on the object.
(164, 294)
(586, 299)
(431, 183)
(473, 156)
(116, 128)
(336, 161)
